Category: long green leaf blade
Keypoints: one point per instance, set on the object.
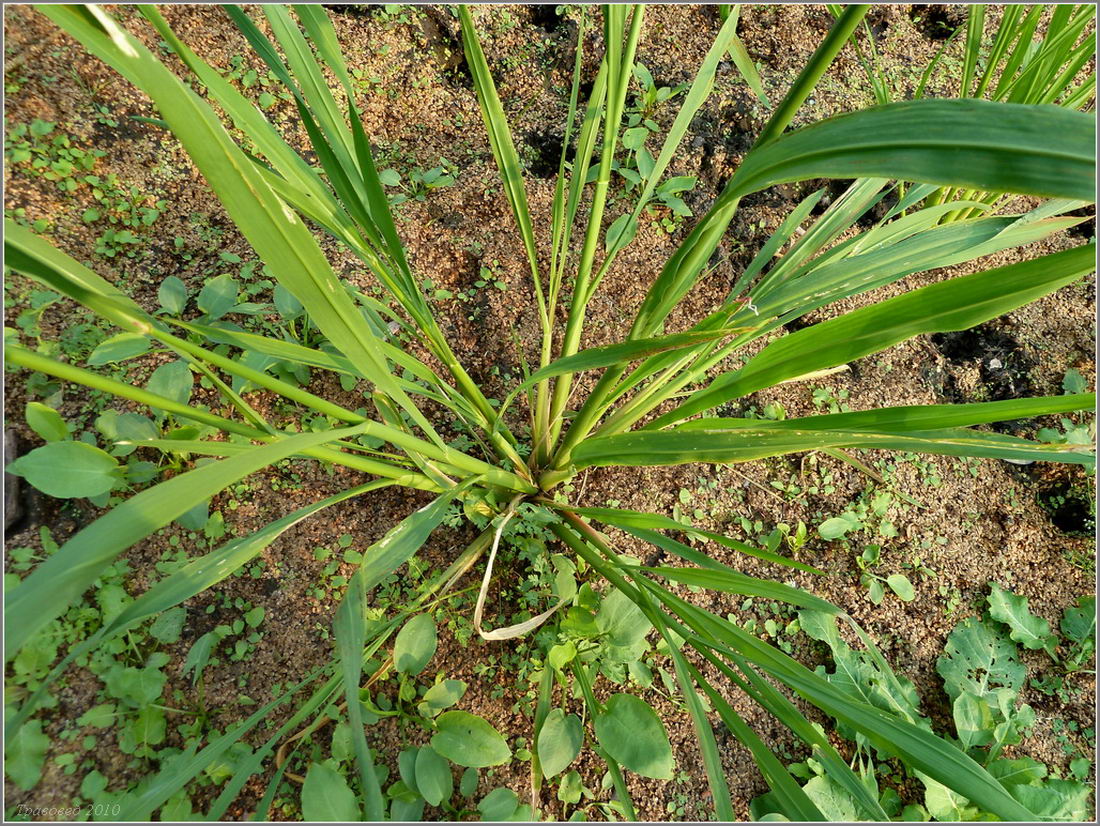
(280, 238)
(60, 580)
(349, 628)
(734, 582)
(741, 59)
(950, 305)
(708, 747)
(1028, 149)
(193, 578)
(794, 800)
(913, 417)
(919, 748)
(620, 353)
(646, 525)
(742, 444)
(504, 150)
(380, 560)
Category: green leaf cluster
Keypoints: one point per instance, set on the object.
(509, 469)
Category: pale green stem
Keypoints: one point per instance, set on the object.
(470, 466)
(575, 324)
(819, 62)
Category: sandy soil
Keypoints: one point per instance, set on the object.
(971, 529)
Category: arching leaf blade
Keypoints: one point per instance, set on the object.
(946, 306)
(60, 580)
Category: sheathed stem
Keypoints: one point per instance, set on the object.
(618, 80)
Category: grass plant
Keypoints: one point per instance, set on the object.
(651, 403)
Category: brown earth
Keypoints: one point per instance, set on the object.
(979, 523)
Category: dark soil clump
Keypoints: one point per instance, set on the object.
(881, 18)
(353, 9)
(1086, 229)
(443, 36)
(938, 21)
(796, 324)
(1070, 508)
(1002, 364)
(546, 17)
(546, 146)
